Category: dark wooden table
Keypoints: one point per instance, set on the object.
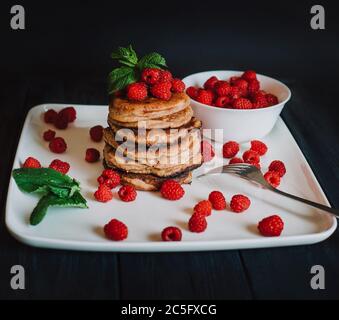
(279, 273)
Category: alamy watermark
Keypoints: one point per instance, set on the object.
(18, 279)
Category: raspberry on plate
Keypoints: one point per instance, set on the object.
(273, 178)
(249, 75)
(61, 121)
(31, 162)
(205, 96)
(48, 135)
(127, 193)
(50, 116)
(60, 166)
(172, 190)
(251, 157)
(103, 193)
(166, 76)
(271, 226)
(92, 155)
(178, 85)
(240, 203)
(150, 75)
(68, 113)
(230, 149)
(203, 207)
(207, 151)
(116, 230)
(192, 92)
(162, 90)
(110, 178)
(277, 166)
(58, 145)
(136, 91)
(242, 103)
(217, 200)
(96, 133)
(197, 223)
(259, 147)
(235, 160)
(171, 234)
(210, 83)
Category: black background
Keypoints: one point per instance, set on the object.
(63, 56)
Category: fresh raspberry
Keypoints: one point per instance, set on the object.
(197, 223)
(235, 160)
(256, 164)
(203, 207)
(253, 86)
(217, 200)
(205, 96)
(207, 151)
(192, 92)
(49, 135)
(178, 85)
(92, 155)
(166, 76)
(162, 90)
(172, 190)
(259, 147)
(240, 203)
(222, 102)
(127, 193)
(210, 83)
(234, 93)
(116, 230)
(242, 103)
(251, 156)
(50, 116)
(150, 75)
(136, 91)
(58, 145)
(271, 226)
(69, 113)
(233, 80)
(249, 75)
(259, 102)
(230, 149)
(171, 234)
(277, 166)
(61, 121)
(96, 133)
(31, 162)
(222, 88)
(271, 99)
(242, 85)
(273, 178)
(103, 193)
(60, 166)
(110, 178)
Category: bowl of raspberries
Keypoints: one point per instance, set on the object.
(244, 104)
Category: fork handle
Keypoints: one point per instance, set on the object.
(333, 211)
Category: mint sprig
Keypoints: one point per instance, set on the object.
(131, 67)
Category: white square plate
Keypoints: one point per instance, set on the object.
(82, 229)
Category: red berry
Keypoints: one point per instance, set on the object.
(103, 193)
(235, 160)
(197, 223)
(271, 226)
(162, 90)
(69, 113)
(136, 91)
(222, 88)
(203, 207)
(31, 162)
(61, 121)
(49, 135)
(251, 157)
(166, 76)
(207, 151)
(116, 230)
(278, 166)
(249, 75)
(171, 234)
(240, 203)
(222, 102)
(253, 86)
(242, 85)
(178, 85)
(271, 99)
(259, 147)
(172, 190)
(256, 164)
(205, 96)
(127, 193)
(273, 178)
(230, 149)
(110, 178)
(233, 80)
(101, 180)
(50, 116)
(192, 92)
(242, 103)
(92, 155)
(259, 100)
(234, 93)
(96, 133)
(210, 83)
(150, 75)
(218, 200)
(58, 145)
(60, 166)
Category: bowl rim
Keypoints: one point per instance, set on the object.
(276, 106)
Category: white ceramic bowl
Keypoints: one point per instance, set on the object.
(238, 125)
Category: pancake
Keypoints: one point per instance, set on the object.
(152, 136)
(123, 110)
(173, 120)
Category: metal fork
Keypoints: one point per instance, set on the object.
(253, 174)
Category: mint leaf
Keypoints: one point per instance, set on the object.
(39, 212)
(152, 60)
(121, 77)
(126, 56)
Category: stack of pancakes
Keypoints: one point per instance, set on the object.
(151, 141)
